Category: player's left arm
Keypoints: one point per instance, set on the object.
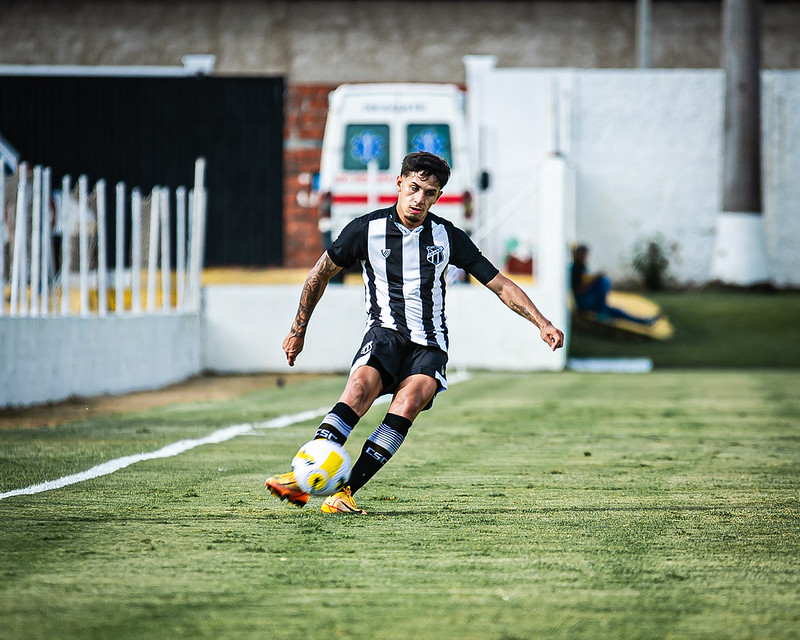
(519, 302)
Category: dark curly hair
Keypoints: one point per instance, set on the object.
(426, 165)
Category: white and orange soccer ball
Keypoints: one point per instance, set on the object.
(321, 467)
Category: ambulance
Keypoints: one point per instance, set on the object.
(370, 129)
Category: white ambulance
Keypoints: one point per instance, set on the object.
(370, 129)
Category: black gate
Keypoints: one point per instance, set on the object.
(147, 131)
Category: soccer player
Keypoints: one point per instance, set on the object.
(404, 253)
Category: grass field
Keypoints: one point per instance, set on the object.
(565, 505)
(713, 329)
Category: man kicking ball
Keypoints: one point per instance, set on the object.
(404, 252)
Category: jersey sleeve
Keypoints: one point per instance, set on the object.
(466, 255)
(349, 247)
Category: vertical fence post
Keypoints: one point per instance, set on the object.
(102, 272)
(119, 264)
(46, 249)
(198, 231)
(190, 233)
(152, 254)
(2, 241)
(36, 230)
(83, 242)
(20, 257)
(136, 251)
(66, 242)
(166, 262)
(180, 246)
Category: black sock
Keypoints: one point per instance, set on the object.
(378, 449)
(337, 424)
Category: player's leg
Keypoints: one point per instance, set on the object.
(414, 378)
(362, 388)
(412, 396)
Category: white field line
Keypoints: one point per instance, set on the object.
(221, 435)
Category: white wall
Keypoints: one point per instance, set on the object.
(646, 147)
(51, 359)
(244, 327)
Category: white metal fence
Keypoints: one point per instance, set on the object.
(54, 258)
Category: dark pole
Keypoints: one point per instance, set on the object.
(742, 63)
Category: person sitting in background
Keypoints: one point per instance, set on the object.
(591, 291)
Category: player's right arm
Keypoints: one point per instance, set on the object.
(313, 288)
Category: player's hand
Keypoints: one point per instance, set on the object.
(292, 346)
(552, 336)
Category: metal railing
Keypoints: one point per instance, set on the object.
(54, 253)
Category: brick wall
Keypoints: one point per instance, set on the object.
(306, 109)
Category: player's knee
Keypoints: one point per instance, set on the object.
(360, 393)
(411, 403)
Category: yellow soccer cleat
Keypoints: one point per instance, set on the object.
(284, 487)
(341, 502)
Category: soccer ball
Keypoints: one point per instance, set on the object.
(321, 467)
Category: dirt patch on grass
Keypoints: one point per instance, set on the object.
(203, 388)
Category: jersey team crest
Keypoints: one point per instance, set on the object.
(435, 255)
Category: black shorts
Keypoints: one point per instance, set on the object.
(396, 357)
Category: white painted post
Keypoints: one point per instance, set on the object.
(119, 266)
(198, 232)
(2, 242)
(166, 261)
(152, 255)
(83, 242)
(102, 269)
(20, 257)
(36, 243)
(136, 251)
(66, 242)
(47, 245)
(200, 177)
(192, 231)
(180, 245)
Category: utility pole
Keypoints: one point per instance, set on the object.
(740, 245)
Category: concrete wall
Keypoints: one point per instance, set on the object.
(244, 327)
(50, 359)
(647, 151)
(336, 41)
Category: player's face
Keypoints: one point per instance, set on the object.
(416, 196)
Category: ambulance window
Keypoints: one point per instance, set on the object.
(365, 142)
(434, 138)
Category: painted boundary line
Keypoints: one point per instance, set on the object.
(181, 446)
(174, 449)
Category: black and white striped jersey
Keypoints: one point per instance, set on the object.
(404, 270)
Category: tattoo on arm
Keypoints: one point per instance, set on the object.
(313, 288)
(521, 310)
(517, 300)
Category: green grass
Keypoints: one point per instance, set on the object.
(713, 329)
(523, 506)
